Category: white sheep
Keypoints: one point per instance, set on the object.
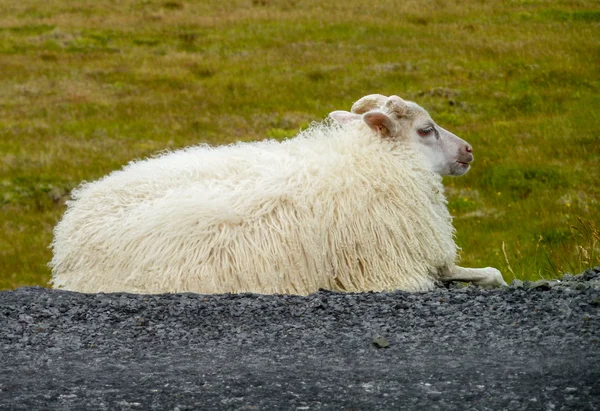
(346, 205)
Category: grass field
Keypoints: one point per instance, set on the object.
(87, 86)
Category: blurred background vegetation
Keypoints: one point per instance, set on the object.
(87, 86)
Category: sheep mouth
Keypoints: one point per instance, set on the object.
(463, 163)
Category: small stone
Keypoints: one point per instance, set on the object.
(516, 283)
(595, 284)
(541, 285)
(456, 285)
(380, 342)
(567, 277)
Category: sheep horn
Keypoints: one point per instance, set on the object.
(396, 105)
(368, 103)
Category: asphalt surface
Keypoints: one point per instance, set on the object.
(533, 346)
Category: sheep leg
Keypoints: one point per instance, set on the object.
(487, 277)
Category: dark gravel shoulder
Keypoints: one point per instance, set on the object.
(528, 346)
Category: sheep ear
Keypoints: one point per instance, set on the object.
(396, 105)
(343, 117)
(370, 102)
(379, 122)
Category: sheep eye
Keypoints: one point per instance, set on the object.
(424, 132)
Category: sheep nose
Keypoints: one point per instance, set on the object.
(469, 149)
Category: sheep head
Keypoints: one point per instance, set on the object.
(397, 119)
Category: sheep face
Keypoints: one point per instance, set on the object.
(445, 153)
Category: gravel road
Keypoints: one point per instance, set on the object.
(528, 346)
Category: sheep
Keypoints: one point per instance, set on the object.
(351, 204)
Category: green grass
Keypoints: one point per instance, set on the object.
(86, 87)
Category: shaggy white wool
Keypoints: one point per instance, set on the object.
(336, 207)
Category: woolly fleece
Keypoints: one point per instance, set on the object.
(337, 207)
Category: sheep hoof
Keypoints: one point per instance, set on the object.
(492, 279)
